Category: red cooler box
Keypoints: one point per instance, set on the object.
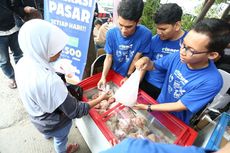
(117, 121)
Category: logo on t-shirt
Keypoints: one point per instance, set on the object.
(176, 84)
(125, 53)
(169, 50)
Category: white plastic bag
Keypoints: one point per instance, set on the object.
(127, 93)
(65, 66)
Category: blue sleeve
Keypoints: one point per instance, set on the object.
(109, 42)
(165, 62)
(137, 145)
(74, 108)
(197, 98)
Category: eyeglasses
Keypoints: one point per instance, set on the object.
(190, 51)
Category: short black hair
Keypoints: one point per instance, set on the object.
(98, 21)
(227, 18)
(218, 32)
(130, 9)
(168, 13)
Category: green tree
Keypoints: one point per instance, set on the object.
(187, 21)
(217, 9)
(151, 6)
(149, 10)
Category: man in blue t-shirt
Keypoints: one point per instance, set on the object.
(134, 145)
(166, 41)
(126, 43)
(192, 80)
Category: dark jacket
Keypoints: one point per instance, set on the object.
(8, 8)
(71, 108)
(38, 4)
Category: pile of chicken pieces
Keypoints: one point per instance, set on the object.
(126, 123)
(104, 105)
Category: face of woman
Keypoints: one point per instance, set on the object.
(55, 57)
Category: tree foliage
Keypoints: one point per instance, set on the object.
(221, 1)
(187, 20)
(151, 6)
(217, 9)
(149, 10)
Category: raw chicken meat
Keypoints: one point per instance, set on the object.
(139, 121)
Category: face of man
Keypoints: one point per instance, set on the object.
(166, 31)
(127, 27)
(193, 50)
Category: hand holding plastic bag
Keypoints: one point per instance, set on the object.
(127, 93)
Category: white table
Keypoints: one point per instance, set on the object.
(94, 138)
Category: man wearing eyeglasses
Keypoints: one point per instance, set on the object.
(192, 80)
(126, 43)
(166, 41)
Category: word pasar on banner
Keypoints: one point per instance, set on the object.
(70, 11)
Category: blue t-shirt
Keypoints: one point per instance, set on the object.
(158, 49)
(137, 145)
(124, 49)
(195, 88)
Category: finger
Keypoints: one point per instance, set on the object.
(145, 66)
(107, 93)
(137, 66)
(100, 86)
(134, 107)
(114, 142)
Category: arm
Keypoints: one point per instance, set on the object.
(132, 68)
(94, 102)
(132, 65)
(73, 108)
(165, 107)
(106, 68)
(144, 64)
(142, 74)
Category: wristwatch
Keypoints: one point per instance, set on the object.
(149, 108)
(128, 75)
